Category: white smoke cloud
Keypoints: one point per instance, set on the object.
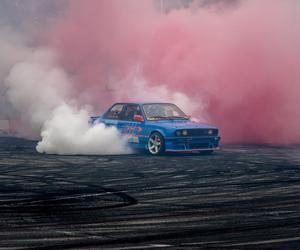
(68, 132)
(36, 86)
(12, 51)
(42, 92)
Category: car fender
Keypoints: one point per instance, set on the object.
(161, 131)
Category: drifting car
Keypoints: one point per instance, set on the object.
(159, 128)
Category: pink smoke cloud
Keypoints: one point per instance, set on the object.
(243, 62)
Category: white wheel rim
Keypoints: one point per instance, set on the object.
(154, 144)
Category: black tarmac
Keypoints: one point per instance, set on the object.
(242, 197)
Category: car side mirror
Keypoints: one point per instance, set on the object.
(138, 118)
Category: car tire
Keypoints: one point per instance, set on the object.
(156, 144)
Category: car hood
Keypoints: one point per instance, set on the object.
(186, 124)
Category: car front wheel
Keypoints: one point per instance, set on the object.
(156, 144)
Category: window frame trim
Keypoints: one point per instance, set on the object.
(131, 104)
(106, 113)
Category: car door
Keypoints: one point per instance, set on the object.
(128, 126)
(112, 116)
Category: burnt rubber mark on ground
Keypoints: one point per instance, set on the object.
(223, 231)
(241, 196)
(35, 201)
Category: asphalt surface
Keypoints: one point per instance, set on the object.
(243, 197)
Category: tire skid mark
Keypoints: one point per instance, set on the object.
(243, 196)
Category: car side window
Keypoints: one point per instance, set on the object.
(130, 111)
(114, 112)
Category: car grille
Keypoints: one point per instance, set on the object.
(202, 132)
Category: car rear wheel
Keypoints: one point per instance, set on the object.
(156, 144)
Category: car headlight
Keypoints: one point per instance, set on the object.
(178, 132)
(184, 132)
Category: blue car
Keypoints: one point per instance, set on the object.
(159, 128)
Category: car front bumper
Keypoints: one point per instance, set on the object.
(191, 144)
(192, 150)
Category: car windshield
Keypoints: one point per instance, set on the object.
(163, 111)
